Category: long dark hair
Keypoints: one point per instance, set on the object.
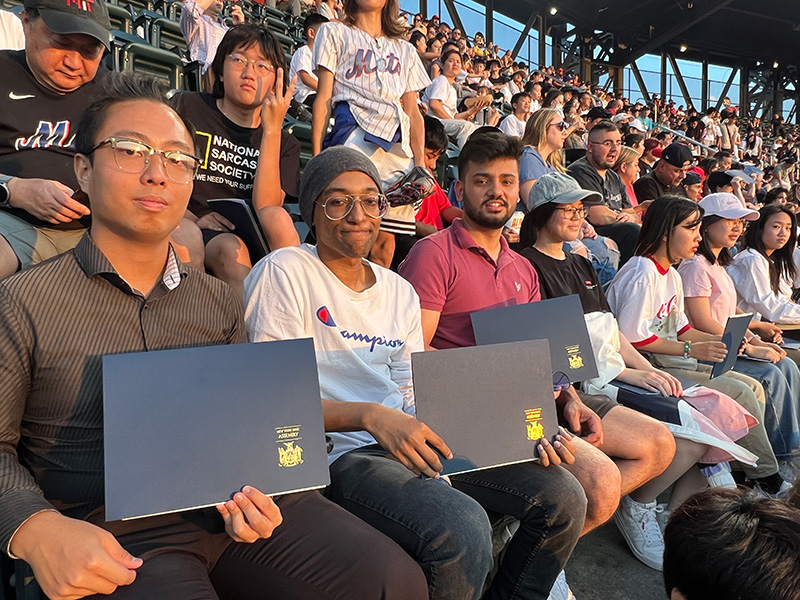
(661, 218)
(780, 262)
(724, 258)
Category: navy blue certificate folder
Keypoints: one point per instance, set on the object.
(187, 428)
(491, 404)
(733, 335)
(559, 320)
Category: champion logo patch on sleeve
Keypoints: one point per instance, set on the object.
(324, 315)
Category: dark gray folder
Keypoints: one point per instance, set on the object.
(491, 404)
(559, 320)
(187, 428)
(733, 335)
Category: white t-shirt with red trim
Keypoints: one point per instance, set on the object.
(648, 303)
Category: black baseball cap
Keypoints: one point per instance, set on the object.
(89, 17)
(677, 155)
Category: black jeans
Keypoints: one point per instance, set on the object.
(319, 552)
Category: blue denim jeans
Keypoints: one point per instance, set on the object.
(781, 383)
(449, 532)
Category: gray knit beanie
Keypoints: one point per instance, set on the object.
(324, 168)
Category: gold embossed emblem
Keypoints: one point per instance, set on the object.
(291, 454)
(533, 416)
(574, 356)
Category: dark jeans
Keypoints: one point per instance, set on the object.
(625, 234)
(449, 533)
(319, 552)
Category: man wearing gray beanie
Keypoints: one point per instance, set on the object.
(365, 321)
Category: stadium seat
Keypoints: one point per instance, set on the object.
(121, 17)
(131, 53)
(302, 132)
(160, 31)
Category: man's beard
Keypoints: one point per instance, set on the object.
(485, 220)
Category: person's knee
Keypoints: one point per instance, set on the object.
(226, 254)
(187, 239)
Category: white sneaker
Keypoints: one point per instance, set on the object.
(639, 526)
(560, 590)
(719, 475)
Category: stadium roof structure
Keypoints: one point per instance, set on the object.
(723, 31)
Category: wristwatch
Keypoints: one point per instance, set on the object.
(5, 195)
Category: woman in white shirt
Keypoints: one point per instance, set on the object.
(765, 271)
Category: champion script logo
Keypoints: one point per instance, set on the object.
(324, 315)
(14, 96)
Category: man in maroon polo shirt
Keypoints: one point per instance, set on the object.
(470, 267)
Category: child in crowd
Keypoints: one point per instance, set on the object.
(302, 67)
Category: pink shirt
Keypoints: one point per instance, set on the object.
(701, 279)
(454, 276)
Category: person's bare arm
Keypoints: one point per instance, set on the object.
(438, 109)
(45, 199)
(430, 322)
(406, 438)
(307, 79)
(698, 309)
(274, 104)
(322, 109)
(416, 127)
(599, 215)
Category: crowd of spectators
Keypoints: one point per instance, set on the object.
(664, 221)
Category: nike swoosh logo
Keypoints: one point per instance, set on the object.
(14, 96)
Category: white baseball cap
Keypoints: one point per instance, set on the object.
(726, 206)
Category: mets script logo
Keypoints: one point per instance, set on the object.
(47, 135)
(324, 315)
(367, 62)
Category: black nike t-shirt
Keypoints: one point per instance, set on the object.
(229, 154)
(38, 126)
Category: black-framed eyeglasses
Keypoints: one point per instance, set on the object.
(562, 125)
(133, 156)
(560, 381)
(572, 212)
(337, 208)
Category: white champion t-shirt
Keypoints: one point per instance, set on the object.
(363, 340)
